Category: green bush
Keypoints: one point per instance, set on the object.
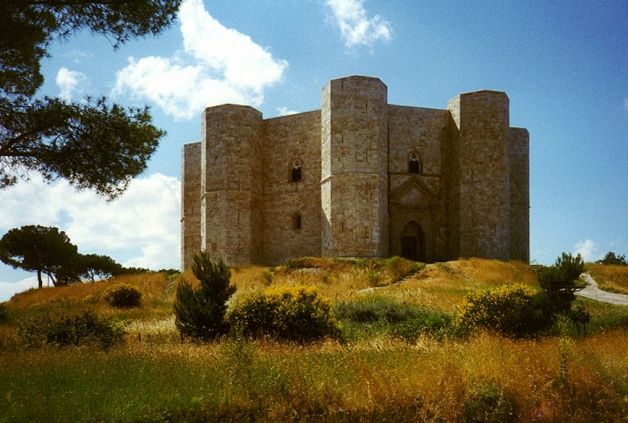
(559, 282)
(490, 405)
(200, 313)
(4, 313)
(400, 268)
(511, 310)
(379, 315)
(123, 296)
(296, 313)
(82, 328)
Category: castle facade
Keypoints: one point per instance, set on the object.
(358, 178)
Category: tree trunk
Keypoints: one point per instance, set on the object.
(41, 283)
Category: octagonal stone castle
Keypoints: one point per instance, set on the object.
(358, 178)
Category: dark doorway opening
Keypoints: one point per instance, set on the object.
(413, 242)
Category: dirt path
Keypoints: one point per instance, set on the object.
(592, 291)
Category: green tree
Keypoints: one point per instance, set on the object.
(200, 312)
(612, 258)
(92, 144)
(40, 249)
(559, 282)
(93, 267)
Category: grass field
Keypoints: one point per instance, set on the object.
(611, 278)
(371, 375)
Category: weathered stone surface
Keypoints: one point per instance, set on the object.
(360, 178)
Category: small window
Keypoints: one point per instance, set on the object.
(295, 171)
(296, 221)
(414, 163)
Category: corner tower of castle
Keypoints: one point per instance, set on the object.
(358, 178)
(354, 168)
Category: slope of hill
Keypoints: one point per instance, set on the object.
(376, 371)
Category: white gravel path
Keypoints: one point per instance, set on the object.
(592, 291)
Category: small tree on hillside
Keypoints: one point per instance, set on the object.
(40, 249)
(200, 312)
(559, 282)
(93, 267)
(612, 258)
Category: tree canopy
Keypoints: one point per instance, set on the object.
(92, 144)
(41, 249)
(49, 251)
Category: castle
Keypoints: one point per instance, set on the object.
(358, 178)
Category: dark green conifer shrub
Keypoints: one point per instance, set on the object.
(295, 313)
(200, 312)
(123, 296)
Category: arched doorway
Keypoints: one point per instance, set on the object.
(413, 242)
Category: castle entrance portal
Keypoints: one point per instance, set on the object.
(413, 242)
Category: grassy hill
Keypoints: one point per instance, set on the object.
(378, 370)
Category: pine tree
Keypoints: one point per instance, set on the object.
(200, 312)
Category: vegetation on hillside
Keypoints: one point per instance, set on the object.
(396, 353)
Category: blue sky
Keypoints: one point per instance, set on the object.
(563, 64)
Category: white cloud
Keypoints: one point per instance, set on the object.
(70, 83)
(218, 65)
(284, 111)
(7, 289)
(356, 27)
(587, 249)
(142, 224)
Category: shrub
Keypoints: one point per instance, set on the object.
(559, 282)
(511, 310)
(200, 313)
(123, 296)
(379, 315)
(489, 405)
(4, 313)
(401, 268)
(295, 313)
(82, 328)
(614, 259)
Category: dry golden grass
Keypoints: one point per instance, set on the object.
(151, 285)
(427, 380)
(443, 286)
(609, 277)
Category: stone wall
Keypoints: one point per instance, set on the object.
(519, 194)
(354, 179)
(288, 139)
(231, 183)
(356, 195)
(418, 197)
(483, 174)
(190, 203)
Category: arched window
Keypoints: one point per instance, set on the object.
(296, 221)
(296, 174)
(414, 163)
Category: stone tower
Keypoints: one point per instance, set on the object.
(231, 183)
(354, 168)
(358, 178)
(484, 150)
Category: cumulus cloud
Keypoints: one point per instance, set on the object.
(142, 224)
(356, 27)
(218, 65)
(284, 111)
(71, 83)
(587, 249)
